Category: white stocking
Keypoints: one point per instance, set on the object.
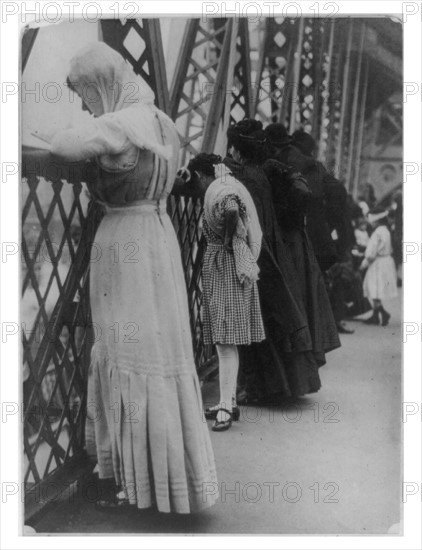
(229, 365)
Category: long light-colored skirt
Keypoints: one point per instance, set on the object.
(380, 282)
(145, 422)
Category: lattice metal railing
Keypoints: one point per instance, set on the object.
(58, 225)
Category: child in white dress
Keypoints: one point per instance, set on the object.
(380, 279)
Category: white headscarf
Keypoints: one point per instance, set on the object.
(99, 71)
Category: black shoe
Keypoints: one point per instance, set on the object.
(262, 401)
(373, 320)
(211, 414)
(109, 495)
(222, 425)
(342, 329)
(385, 317)
(246, 401)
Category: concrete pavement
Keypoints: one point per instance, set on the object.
(328, 464)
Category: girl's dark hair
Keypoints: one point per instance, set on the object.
(248, 137)
(204, 162)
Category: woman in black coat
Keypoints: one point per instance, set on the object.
(284, 364)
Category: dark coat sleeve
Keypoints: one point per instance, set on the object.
(338, 213)
(290, 191)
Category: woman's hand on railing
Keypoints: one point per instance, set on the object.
(47, 133)
(184, 174)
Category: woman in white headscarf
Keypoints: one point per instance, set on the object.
(145, 425)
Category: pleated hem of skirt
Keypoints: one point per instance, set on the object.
(156, 434)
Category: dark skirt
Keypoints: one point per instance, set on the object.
(270, 372)
(269, 375)
(321, 322)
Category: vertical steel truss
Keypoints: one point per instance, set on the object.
(305, 78)
(301, 63)
(150, 64)
(242, 92)
(274, 83)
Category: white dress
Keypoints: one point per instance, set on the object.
(380, 281)
(145, 424)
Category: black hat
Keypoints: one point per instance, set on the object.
(277, 134)
(247, 130)
(304, 141)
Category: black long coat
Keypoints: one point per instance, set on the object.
(282, 365)
(316, 219)
(280, 298)
(292, 199)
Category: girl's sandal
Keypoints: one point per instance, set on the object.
(222, 425)
(211, 413)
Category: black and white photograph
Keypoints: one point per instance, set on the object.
(212, 270)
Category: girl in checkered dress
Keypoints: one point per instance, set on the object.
(232, 314)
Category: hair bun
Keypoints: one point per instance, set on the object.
(204, 162)
(248, 126)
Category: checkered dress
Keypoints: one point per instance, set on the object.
(232, 313)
